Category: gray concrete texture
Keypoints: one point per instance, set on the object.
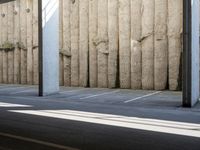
(118, 97)
(152, 106)
(103, 43)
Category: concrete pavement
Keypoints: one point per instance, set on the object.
(96, 119)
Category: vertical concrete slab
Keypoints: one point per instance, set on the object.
(49, 57)
(191, 53)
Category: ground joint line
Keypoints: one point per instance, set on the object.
(36, 141)
(148, 95)
(106, 93)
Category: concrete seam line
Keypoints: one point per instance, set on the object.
(106, 93)
(148, 95)
(36, 141)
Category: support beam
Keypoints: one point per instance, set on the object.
(190, 53)
(48, 47)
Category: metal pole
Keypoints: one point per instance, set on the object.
(40, 40)
(186, 53)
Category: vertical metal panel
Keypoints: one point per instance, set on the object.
(190, 53)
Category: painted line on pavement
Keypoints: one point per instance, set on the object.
(77, 90)
(37, 141)
(24, 91)
(145, 96)
(10, 88)
(2, 104)
(106, 93)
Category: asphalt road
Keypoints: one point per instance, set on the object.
(28, 122)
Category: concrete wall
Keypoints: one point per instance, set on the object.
(103, 43)
(19, 42)
(124, 43)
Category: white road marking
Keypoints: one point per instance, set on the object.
(2, 104)
(106, 93)
(156, 125)
(148, 95)
(77, 90)
(5, 86)
(10, 88)
(36, 141)
(24, 91)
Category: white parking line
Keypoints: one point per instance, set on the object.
(106, 93)
(28, 90)
(2, 104)
(137, 98)
(10, 88)
(57, 146)
(5, 86)
(77, 90)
